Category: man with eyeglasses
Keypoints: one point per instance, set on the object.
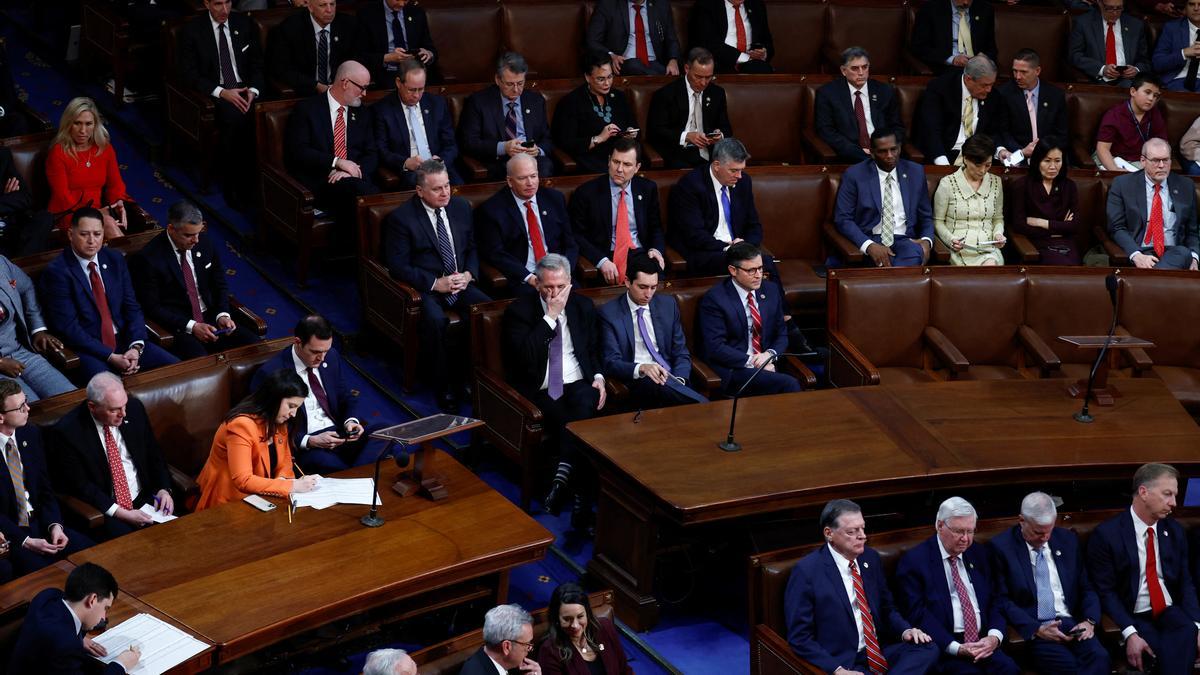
(688, 116)
(331, 145)
(179, 279)
(1176, 57)
(946, 589)
(413, 126)
(840, 613)
(1108, 45)
(1152, 213)
(507, 644)
(504, 120)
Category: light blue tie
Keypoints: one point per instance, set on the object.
(725, 208)
(1045, 596)
(418, 132)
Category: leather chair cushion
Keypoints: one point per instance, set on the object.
(980, 315)
(476, 25)
(901, 304)
(884, 22)
(526, 29)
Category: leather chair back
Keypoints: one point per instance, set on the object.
(477, 25)
(995, 304)
(527, 27)
(899, 301)
(1067, 301)
(766, 119)
(790, 232)
(1042, 29)
(1181, 109)
(29, 159)
(849, 22)
(794, 28)
(265, 20)
(640, 90)
(1154, 305)
(680, 14)
(1085, 106)
(553, 91)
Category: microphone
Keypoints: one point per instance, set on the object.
(730, 445)
(372, 519)
(1110, 283)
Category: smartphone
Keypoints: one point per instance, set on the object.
(341, 432)
(713, 135)
(631, 132)
(222, 331)
(1076, 631)
(528, 144)
(756, 45)
(259, 503)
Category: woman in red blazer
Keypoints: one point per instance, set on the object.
(82, 169)
(250, 453)
(577, 642)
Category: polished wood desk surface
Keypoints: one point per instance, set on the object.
(802, 449)
(243, 579)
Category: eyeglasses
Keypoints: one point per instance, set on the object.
(1157, 161)
(854, 531)
(960, 533)
(527, 645)
(24, 407)
(512, 85)
(361, 87)
(752, 271)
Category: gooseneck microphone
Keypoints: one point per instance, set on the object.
(1110, 283)
(372, 519)
(730, 445)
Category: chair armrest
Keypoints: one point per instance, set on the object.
(282, 91)
(564, 161)
(244, 316)
(63, 359)
(182, 482)
(1116, 254)
(1041, 352)
(703, 375)
(845, 357)
(476, 171)
(675, 263)
(616, 389)
(775, 656)
(941, 253)
(915, 65)
(159, 335)
(843, 247)
(1139, 361)
(492, 394)
(138, 219)
(945, 351)
(914, 153)
(587, 271)
(818, 148)
(654, 159)
(1026, 251)
(285, 198)
(801, 371)
(91, 517)
(491, 277)
(389, 181)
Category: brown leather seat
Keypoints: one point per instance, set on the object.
(908, 93)
(877, 26)
(1068, 301)
(478, 25)
(793, 235)
(1042, 29)
(766, 117)
(548, 34)
(796, 28)
(860, 353)
(981, 312)
(1086, 104)
(1155, 305)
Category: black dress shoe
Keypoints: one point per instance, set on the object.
(552, 504)
(582, 518)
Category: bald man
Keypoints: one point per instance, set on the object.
(1152, 213)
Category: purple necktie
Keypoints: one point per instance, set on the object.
(641, 318)
(554, 385)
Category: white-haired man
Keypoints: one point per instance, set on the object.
(507, 644)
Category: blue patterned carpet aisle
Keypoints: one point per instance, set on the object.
(709, 640)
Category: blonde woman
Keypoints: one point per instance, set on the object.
(968, 207)
(82, 169)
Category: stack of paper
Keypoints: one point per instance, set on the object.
(156, 516)
(330, 491)
(163, 646)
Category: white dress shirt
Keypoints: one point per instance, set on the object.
(1142, 602)
(4, 441)
(1192, 28)
(742, 291)
(1120, 43)
(1060, 603)
(693, 114)
(317, 28)
(192, 266)
(317, 419)
(631, 44)
(962, 131)
(1164, 194)
(87, 276)
(131, 477)
(571, 370)
(956, 606)
(530, 257)
(731, 28)
(843, 566)
(641, 354)
(216, 92)
(333, 108)
(413, 112)
(722, 231)
(899, 219)
(429, 213)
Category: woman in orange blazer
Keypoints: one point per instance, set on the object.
(250, 453)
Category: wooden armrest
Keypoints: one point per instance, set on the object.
(492, 277)
(183, 483)
(917, 66)
(941, 252)
(389, 181)
(587, 271)
(706, 378)
(801, 371)
(564, 161)
(282, 91)
(475, 169)
(675, 263)
(91, 517)
(63, 359)
(486, 381)
(843, 247)
(1116, 254)
(653, 158)
(841, 345)
(138, 219)
(159, 335)
(820, 150)
(411, 294)
(1041, 352)
(945, 350)
(1026, 251)
(1139, 361)
(775, 655)
(245, 317)
(616, 388)
(914, 153)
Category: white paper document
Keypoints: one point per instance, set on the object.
(156, 516)
(330, 491)
(163, 645)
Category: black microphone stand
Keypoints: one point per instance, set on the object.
(1083, 416)
(729, 445)
(372, 519)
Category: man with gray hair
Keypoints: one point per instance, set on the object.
(1152, 213)
(389, 662)
(946, 589)
(504, 120)
(507, 644)
(850, 108)
(956, 106)
(552, 359)
(429, 243)
(1045, 592)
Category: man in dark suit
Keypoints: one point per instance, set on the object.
(606, 238)
(736, 32)
(429, 243)
(413, 126)
(219, 55)
(328, 435)
(642, 342)
(331, 146)
(742, 327)
(389, 34)
(1138, 562)
(956, 106)
(851, 108)
(1108, 45)
(966, 622)
(105, 454)
(639, 37)
(1033, 109)
(507, 644)
(25, 230)
(306, 48)
(886, 188)
(689, 115)
(1152, 213)
(180, 280)
(939, 41)
(1045, 593)
(523, 222)
(95, 309)
(552, 359)
(29, 515)
(53, 637)
(501, 121)
(840, 613)
(24, 339)
(1176, 58)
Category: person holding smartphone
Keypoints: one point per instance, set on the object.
(589, 119)
(1108, 45)
(736, 32)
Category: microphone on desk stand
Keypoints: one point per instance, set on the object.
(730, 445)
(1110, 283)
(372, 519)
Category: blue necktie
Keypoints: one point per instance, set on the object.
(725, 208)
(1045, 596)
(418, 132)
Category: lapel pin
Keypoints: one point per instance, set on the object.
(970, 566)
(24, 444)
(425, 110)
(527, 111)
(12, 282)
(545, 213)
(196, 253)
(236, 33)
(1166, 533)
(639, 199)
(103, 266)
(706, 101)
(324, 364)
(1045, 105)
(600, 646)
(904, 175)
(976, 17)
(762, 296)
(866, 565)
(410, 18)
(874, 98)
(1059, 553)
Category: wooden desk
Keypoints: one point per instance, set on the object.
(243, 579)
(800, 450)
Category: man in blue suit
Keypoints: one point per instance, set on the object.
(523, 222)
(53, 637)
(94, 309)
(1138, 561)
(328, 435)
(413, 126)
(862, 208)
(1045, 593)
(742, 327)
(24, 339)
(1176, 58)
(642, 342)
(429, 243)
(966, 622)
(504, 120)
(840, 613)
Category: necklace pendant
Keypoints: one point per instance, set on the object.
(88, 164)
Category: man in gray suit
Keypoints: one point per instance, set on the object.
(639, 36)
(1152, 214)
(23, 337)
(1109, 46)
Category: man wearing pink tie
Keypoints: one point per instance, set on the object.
(1033, 109)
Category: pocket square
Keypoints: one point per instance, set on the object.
(245, 48)
(208, 266)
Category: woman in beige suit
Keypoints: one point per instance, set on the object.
(968, 207)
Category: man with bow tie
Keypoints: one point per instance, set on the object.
(840, 614)
(413, 126)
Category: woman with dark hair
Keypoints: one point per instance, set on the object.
(250, 453)
(588, 118)
(968, 207)
(1043, 207)
(576, 641)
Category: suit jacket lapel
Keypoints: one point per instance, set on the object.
(423, 222)
(1129, 540)
(739, 310)
(627, 327)
(833, 577)
(1064, 562)
(941, 587)
(662, 329)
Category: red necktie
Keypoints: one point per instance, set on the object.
(875, 658)
(1158, 603)
(107, 334)
(864, 138)
(739, 26)
(535, 234)
(322, 400)
(639, 27)
(970, 626)
(1110, 47)
(756, 318)
(623, 240)
(339, 133)
(120, 485)
(189, 282)
(1154, 229)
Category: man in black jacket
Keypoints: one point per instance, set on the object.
(689, 115)
(850, 108)
(306, 48)
(747, 47)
